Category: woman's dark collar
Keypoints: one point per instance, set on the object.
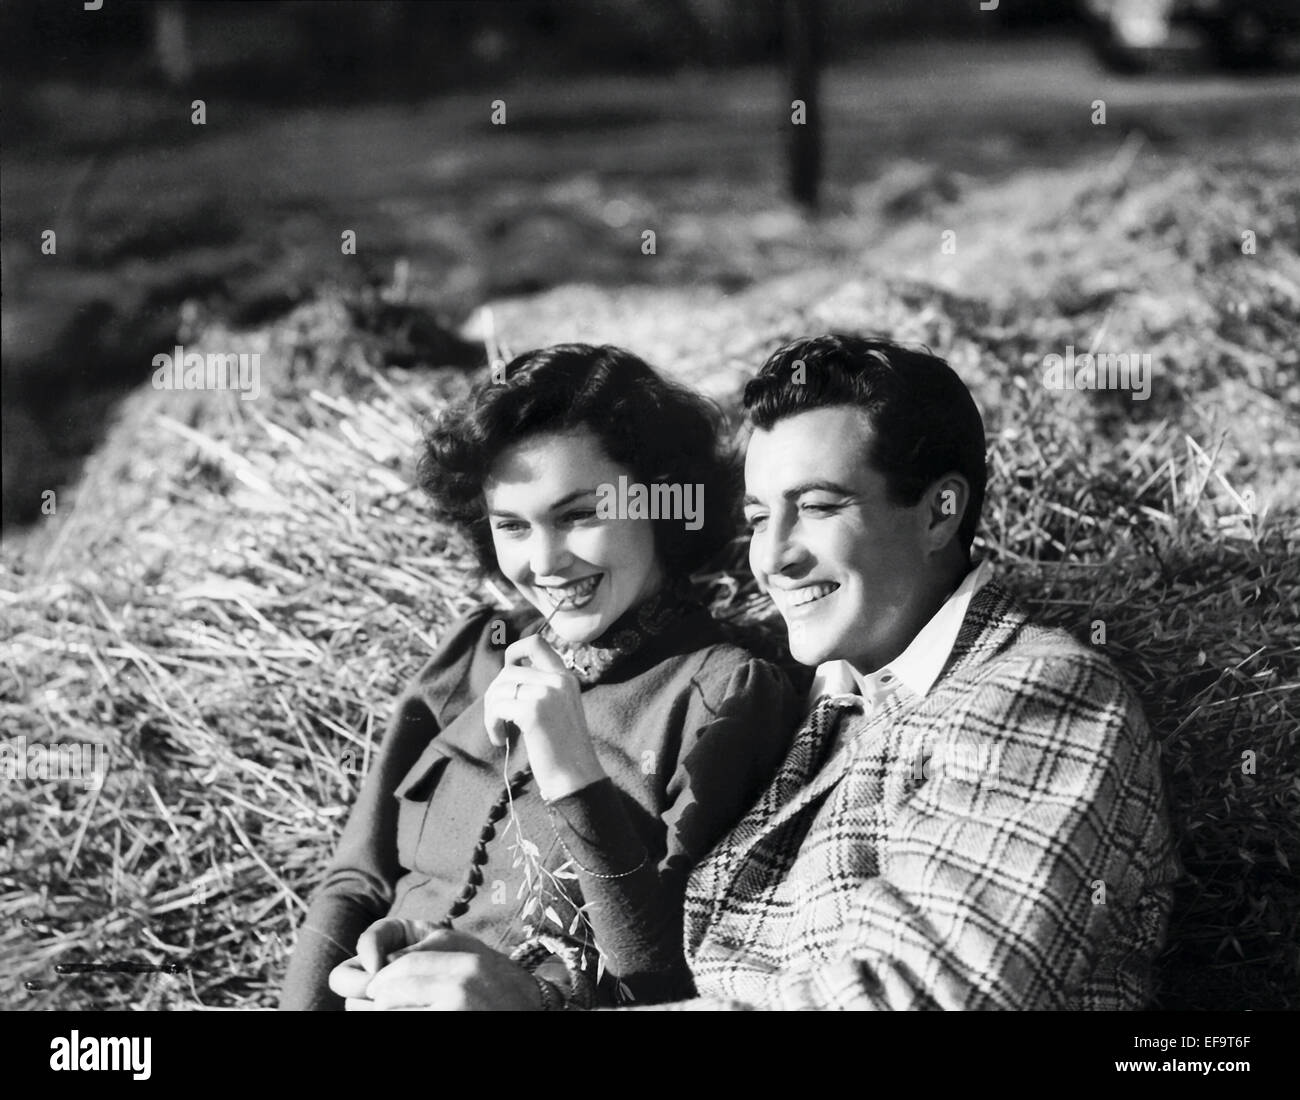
(639, 632)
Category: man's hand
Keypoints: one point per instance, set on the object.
(431, 969)
(536, 693)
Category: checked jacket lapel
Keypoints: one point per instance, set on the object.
(712, 878)
(766, 840)
(809, 749)
(863, 732)
(989, 624)
(991, 621)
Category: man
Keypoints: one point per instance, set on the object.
(972, 815)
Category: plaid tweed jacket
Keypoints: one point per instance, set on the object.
(1001, 843)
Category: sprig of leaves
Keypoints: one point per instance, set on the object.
(541, 883)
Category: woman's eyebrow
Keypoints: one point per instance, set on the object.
(577, 494)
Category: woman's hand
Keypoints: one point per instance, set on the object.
(541, 697)
(385, 940)
(432, 968)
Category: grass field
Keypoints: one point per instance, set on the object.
(234, 593)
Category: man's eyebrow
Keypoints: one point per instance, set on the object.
(817, 486)
(569, 499)
(805, 487)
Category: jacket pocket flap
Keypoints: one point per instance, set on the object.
(418, 783)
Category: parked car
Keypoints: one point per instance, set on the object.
(1136, 35)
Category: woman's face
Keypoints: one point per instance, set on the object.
(551, 545)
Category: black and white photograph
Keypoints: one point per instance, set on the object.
(642, 506)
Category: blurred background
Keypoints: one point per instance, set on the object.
(622, 116)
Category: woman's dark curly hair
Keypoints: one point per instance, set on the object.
(660, 431)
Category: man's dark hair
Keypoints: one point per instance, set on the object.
(662, 432)
(923, 418)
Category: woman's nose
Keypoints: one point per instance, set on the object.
(548, 555)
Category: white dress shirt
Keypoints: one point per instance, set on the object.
(918, 666)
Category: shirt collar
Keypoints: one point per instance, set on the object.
(919, 665)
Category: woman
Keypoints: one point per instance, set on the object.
(602, 734)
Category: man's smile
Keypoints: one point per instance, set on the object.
(791, 599)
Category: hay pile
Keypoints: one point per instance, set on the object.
(237, 590)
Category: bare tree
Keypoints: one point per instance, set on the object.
(170, 43)
(803, 51)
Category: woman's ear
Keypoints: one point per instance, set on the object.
(947, 500)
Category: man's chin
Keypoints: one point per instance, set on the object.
(808, 651)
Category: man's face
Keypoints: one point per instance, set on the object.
(846, 568)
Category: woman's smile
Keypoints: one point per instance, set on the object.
(571, 595)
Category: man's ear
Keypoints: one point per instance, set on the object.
(947, 500)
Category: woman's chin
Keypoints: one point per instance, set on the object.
(580, 631)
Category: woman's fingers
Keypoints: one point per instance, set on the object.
(455, 973)
(534, 650)
(513, 676)
(386, 936)
(383, 943)
(537, 696)
(418, 980)
(349, 979)
(499, 731)
(512, 698)
(504, 718)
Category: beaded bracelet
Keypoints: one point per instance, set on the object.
(582, 991)
(552, 998)
(585, 870)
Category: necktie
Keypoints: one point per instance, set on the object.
(808, 752)
(799, 768)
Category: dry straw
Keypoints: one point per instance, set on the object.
(239, 590)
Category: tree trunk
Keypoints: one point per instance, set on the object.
(170, 44)
(803, 51)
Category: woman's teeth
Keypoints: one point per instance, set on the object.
(810, 594)
(575, 595)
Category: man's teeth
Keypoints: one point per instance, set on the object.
(809, 594)
(572, 595)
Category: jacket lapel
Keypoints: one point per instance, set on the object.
(990, 624)
(992, 621)
(798, 784)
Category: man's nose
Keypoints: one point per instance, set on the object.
(773, 550)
